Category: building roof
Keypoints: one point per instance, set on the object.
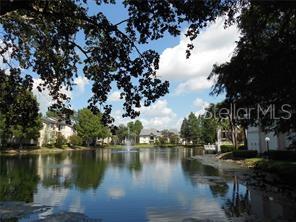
(149, 132)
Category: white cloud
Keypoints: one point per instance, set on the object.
(116, 192)
(214, 45)
(81, 82)
(201, 106)
(114, 96)
(43, 97)
(159, 115)
(194, 84)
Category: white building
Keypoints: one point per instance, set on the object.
(149, 136)
(256, 140)
(51, 127)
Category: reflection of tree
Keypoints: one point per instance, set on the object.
(219, 189)
(195, 171)
(135, 163)
(239, 203)
(18, 178)
(90, 170)
(129, 160)
(82, 169)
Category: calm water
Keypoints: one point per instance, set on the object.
(148, 185)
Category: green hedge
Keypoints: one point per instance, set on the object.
(242, 154)
(282, 155)
(242, 147)
(227, 148)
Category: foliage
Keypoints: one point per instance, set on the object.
(43, 38)
(133, 130)
(162, 140)
(169, 137)
(75, 140)
(263, 65)
(60, 141)
(243, 154)
(121, 133)
(227, 148)
(201, 129)
(89, 126)
(283, 170)
(225, 121)
(19, 111)
(18, 178)
(283, 155)
(190, 129)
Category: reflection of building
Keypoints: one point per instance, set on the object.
(51, 127)
(256, 140)
(149, 136)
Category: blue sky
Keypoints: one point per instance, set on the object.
(189, 89)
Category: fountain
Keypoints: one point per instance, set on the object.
(128, 144)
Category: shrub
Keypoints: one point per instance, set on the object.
(60, 141)
(49, 145)
(75, 140)
(242, 154)
(226, 148)
(242, 147)
(287, 155)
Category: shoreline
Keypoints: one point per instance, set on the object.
(42, 150)
(253, 176)
(54, 150)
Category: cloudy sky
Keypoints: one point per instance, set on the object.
(189, 87)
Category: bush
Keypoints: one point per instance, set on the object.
(227, 148)
(60, 141)
(243, 154)
(49, 145)
(75, 140)
(282, 155)
(242, 147)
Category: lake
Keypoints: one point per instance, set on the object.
(143, 185)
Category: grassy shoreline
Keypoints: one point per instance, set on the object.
(46, 150)
(42, 150)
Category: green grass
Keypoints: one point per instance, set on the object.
(41, 150)
(133, 146)
(140, 146)
(251, 162)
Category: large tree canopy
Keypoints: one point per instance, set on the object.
(19, 112)
(262, 71)
(57, 39)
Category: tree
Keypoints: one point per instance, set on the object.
(121, 133)
(194, 128)
(185, 131)
(19, 111)
(261, 73)
(208, 129)
(135, 129)
(59, 39)
(190, 129)
(89, 126)
(75, 140)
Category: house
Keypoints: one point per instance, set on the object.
(149, 136)
(51, 127)
(256, 140)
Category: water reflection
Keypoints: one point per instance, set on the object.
(152, 184)
(18, 178)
